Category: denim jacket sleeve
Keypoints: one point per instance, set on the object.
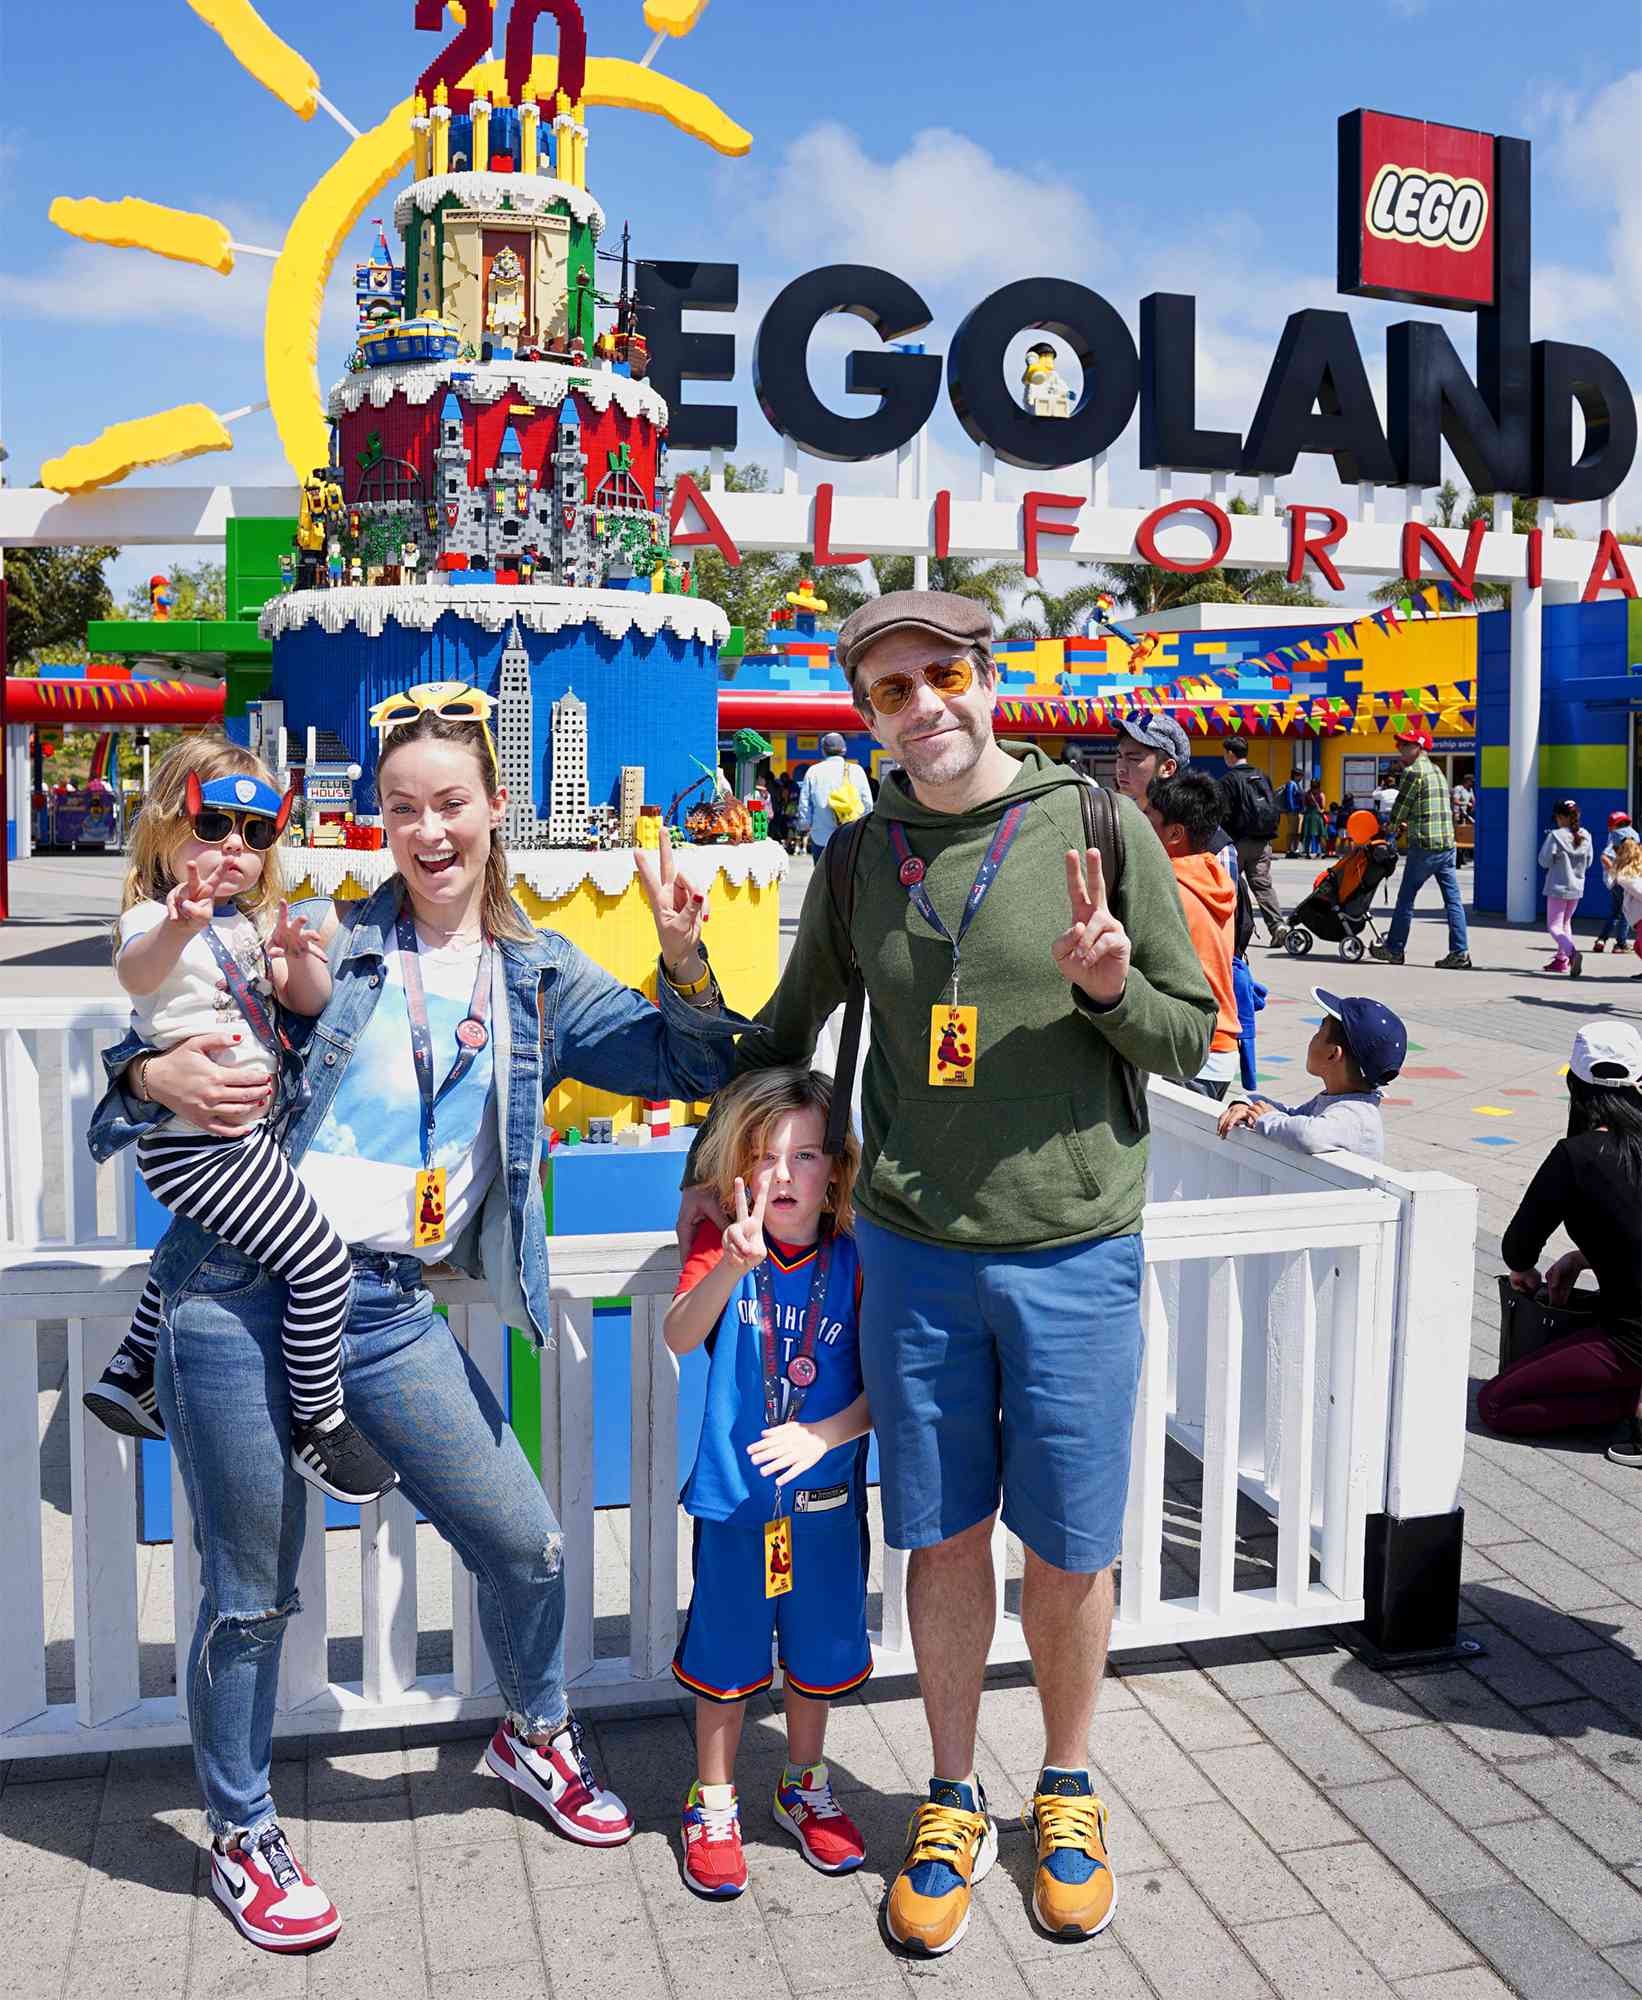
(120, 1118)
(611, 1037)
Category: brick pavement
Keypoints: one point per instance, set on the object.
(1285, 1821)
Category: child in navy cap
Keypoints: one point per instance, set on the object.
(1359, 1046)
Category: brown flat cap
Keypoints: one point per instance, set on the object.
(961, 621)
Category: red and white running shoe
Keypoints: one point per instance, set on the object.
(558, 1778)
(825, 1833)
(269, 1894)
(714, 1865)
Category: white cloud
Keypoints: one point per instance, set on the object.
(944, 209)
(1595, 157)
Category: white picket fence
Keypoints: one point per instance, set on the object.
(1306, 1334)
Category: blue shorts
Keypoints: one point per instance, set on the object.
(992, 1372)
(820, 1624)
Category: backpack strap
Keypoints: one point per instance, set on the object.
(1103, 831)
(841, 854)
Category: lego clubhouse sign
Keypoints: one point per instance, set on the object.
(1428, 214)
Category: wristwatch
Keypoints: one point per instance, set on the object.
(695, 987)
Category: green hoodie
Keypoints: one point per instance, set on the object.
(1041, 1151)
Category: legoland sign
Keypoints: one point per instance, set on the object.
(1428, 214)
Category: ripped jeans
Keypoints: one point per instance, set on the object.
(422, 1403)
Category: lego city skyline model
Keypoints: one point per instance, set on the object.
(495, 507)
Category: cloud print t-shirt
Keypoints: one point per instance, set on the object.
(361, 1165)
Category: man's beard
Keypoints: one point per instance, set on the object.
(947, 756)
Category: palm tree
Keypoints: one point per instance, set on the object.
(1445, 513)
(963, 576)
(1059, 617)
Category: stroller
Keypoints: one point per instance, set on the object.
(1339, 908)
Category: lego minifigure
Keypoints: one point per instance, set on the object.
(333, 562)
(410, 556)
(1047, 393)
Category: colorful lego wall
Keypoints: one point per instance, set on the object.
(1590, 725)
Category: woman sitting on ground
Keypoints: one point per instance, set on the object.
(1591, 1185)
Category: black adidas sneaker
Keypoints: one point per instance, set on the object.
(330, 1453)
(124, 1398)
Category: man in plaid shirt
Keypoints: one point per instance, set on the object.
(1426, 810)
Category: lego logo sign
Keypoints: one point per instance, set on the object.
(1416, 211)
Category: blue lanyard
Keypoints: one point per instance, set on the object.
(257, 1018)
(472, 1032)
(801, 1369)
(912, 880)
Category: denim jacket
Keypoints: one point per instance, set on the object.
(555, 1015)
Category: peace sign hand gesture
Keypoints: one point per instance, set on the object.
(1094, 953)
(191, 901)
(293, 937)
(678, 910)
(744, 1238)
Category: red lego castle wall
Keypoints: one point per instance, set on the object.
(410, 431)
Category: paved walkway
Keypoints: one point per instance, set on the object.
(1285, 1822)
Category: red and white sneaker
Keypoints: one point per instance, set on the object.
(558, 1778)
(269, 1894)
(714, 1864)
(825, 1833)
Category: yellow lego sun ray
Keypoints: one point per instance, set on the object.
(162, 439)
(338, 199)
(256, 48)
(673, 17)
(134, 224)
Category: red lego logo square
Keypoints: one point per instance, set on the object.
(1416, 211)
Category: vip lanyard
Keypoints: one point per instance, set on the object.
(261, 1023)
(472, 1031)
(801, 1369)
(912, 880)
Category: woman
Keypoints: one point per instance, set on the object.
(1564, 854)
(449, 1023)
(1591, 1185)
(1314, 820)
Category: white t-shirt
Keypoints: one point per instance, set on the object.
(362, 1163)
(1385, 798)
(193, 998)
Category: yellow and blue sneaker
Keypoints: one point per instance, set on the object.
(1074, 1891)
(952, 1842)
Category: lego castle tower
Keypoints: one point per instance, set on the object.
(515, 726)
(567, 801)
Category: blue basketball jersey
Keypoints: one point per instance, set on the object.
(724, 1484)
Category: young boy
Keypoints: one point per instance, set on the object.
(1359, 1045)
(1186, 812)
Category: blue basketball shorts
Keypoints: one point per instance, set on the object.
(818, 1628)
(996, 1373)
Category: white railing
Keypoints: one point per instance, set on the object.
(51, 1076)
(1307, 1325)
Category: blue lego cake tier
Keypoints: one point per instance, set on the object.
(589, 684)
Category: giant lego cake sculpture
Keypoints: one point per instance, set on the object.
(495, 508)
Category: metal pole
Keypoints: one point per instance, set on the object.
(1522, 787)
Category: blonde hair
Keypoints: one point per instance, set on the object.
(163, 825)
(1627, 860)
(501, 915)
(742, 1116)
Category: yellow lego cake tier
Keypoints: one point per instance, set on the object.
(743, 933)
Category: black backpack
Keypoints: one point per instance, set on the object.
(1249, 798)
(1102, 829)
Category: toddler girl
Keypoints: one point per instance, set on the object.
(779, 1504)
(1626, 878)
(1565, 854)
(205, 945)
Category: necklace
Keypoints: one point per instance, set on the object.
(442, 940)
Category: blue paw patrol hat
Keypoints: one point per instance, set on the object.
(241, 792)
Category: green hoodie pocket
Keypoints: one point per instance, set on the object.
(986, 1172)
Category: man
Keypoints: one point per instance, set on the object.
(1292, 800)
(818, 816)
(1153, 748)
(1249, 814)
(998, 1224)
(1185, 811)
(1385, 799)
(1424, 808)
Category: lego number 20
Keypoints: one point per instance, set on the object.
(477, 38)
(471, 46)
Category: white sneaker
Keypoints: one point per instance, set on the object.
(269, 1894)
(558, 1778)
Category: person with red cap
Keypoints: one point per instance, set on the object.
(1426, 810)
(1615, 924)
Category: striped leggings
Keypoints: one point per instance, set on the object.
(246, 1191)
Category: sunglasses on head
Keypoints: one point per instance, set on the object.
(949, 679)
(213, 825)
(451, 701)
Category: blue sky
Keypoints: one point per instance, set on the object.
(1186, 147)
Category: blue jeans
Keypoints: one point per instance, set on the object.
(1422, 865)
(422, 1403)
(1613, 924)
